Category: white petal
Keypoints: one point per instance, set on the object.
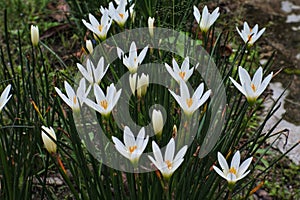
(181, 153)
(235, 162)
(129, 139)
(157, 152)
(219, 172)
(223, 162)
(244, 166)
(142, 55)
(264, 84)
(238, 86)
(257, 78)
(170, 150)
(197, 14)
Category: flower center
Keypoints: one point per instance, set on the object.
(121, 15)
(100, 27)
(169, 164)
(104, 104)
(232, 170)
(182, 74)
(132, 149)
(250, 37)
(189, 102)
(253, 87)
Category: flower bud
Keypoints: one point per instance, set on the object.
(157, 122)
(150, 25)
(142, 85)
(35, 35)
(50, 145)
(89, 46)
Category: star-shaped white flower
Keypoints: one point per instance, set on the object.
(91, 74)
(252, 89)
(190, 104)
(75, 101)
(133, 60)
(119, 14)
(168, 164)
(183, 73)
(250, 35)
(133, 148)
(207, 19)
(236, 171)
(104, 104)
(100, 29)
(4, 97)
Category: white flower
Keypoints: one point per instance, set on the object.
(190, 104)
(4, 97)
(169, 164)
(250, 35)
(183, 73)
(133, 60)
(75, 101)
(252, 89)
(157, 122)
(236, 171)
(133, 148)
(92, 74)
(89, 46)
(142, 85)
(34, 35)
(132, 12)
(104, 104)
(119, 14)
(50, 145)
(132, 82)
(99, 29)
(150, 25)
(207, 19)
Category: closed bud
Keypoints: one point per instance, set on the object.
(35, 37)
(49, 143)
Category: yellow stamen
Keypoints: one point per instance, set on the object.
(75, 100)
(232, 170)
(121, 15)
(189, 102)
(250, 37)
(169, 164)
(100, 27)
(132, 149)
(253, 87)
(104, 104)
(182, 74)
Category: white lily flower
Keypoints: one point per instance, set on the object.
(133, 148)
(35, 36)
(91, 74)
(142, 85)
(183, 73)
(50, 145)
(132, 82)
(4, 97)
(133, 60)
(119, 14)
(236, 171)
(75, 101)
(250, 35)
(150, 25)
(169, 164)
(190, 104)
(89, 46)
(104, 104)
(207, 19)
(157, 122)
(252, 89)
(99, 29)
